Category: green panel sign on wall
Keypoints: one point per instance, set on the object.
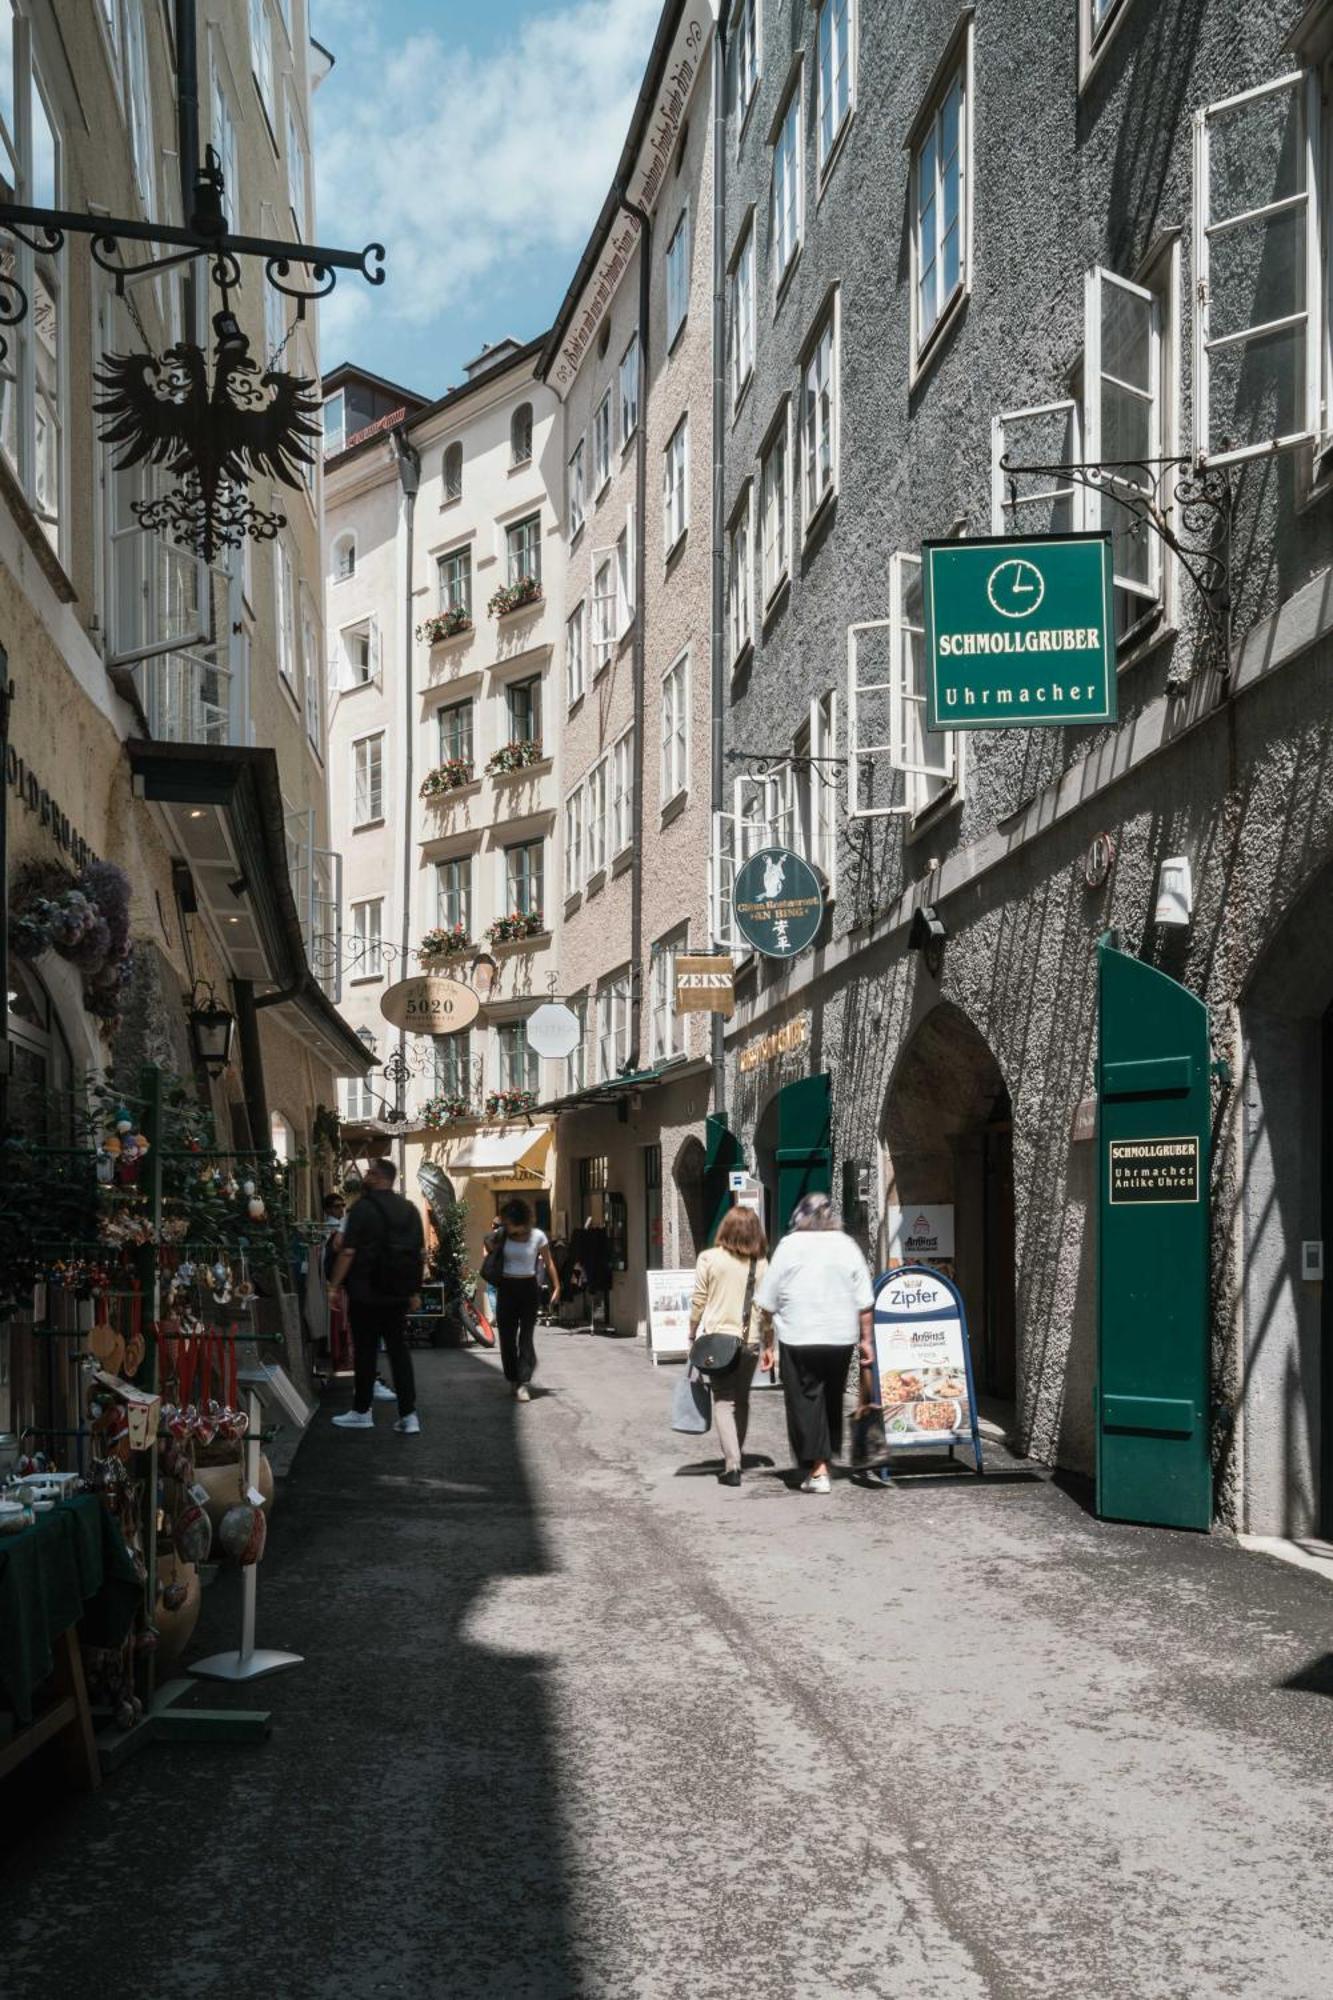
(1019, 634)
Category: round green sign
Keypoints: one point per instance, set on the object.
(779, 902)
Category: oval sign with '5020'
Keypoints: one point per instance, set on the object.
(430, 1006)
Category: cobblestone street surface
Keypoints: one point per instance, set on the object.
(576, 1721)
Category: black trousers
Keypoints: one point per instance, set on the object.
(516, 1303)
(373, 1321)
(813, 1382)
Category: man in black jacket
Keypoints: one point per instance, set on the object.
(380, 1267)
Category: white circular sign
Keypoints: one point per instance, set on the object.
(1015, 588)
(554, 1030)
(430, 1005)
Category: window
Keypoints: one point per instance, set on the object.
(261, 57)
(740, 323)
(678, 277)
(310, 681)
(1122, 423)
(523, 878)
(1256, 267)
(454, 732)
(139, 102)
(275, 313)
(895, 764)
(774, 505)
(575, 660)
(523, 549)
(360, 654)
(747, 56)
(629, 391)
(576, 490)
(453, 893)
(224, 141)
(1096, 19)
(941, 203)
(622, 793)
(820, 418)
(451, 1066)
(1023, 503)
(834, 61)
(453, 580)
(344, 558)
(787, 187)
(523, 709)
(358, 1100)
(335, 423)
(368, 931)
(625, 574)
(675, 766)
(32, 406)
(452, 474)
(601, 444)
(574, 841)
(604, 606)
(595, 818)
(815, 772)
(740, 590)
(368, 780)
(675, 485)
(296, 170)
(519, 1068)
(613, 1027)
(576, 1063)
(285, 611)
(520, 435)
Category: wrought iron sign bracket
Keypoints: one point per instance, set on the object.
(1189, 508)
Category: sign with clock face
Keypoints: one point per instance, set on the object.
(1019, 633)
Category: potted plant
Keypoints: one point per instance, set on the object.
(450, 776)
(515, 756)
(517, 925)
(445, 941)
(514, 596)
(510, 1103)
(451, 623)
(445, 1109)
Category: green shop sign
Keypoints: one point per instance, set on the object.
(1019, 633)
(779, 902)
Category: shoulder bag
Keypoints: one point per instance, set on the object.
(719, 1353)
(493, 1263)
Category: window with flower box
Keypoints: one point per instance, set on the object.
(453, 894)
(523, 550)
(519, 1067)
(453, 581)
(452, 1068)
(524, 878)
(575, 655)
(523, 710)
(454, 732)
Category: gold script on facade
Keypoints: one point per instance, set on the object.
(792, 1035)
(705, 985)
(430, 1006)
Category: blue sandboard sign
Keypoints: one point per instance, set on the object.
(923, 1361)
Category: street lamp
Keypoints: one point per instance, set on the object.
(212, 1028)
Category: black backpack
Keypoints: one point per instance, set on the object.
(397, 1257)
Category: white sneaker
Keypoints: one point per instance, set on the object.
(355, 1420)
(522, 1394)
(409, 1425)
(383, 1393)
(817, 1482)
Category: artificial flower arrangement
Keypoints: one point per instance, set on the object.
(449, 776)
(518, 924)
(513, 596)
(451, 623)
(444, 941)
(510, 1103)
(87, 920)
(515, 756)
(445, 1110)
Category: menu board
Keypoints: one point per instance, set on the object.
(923, 1366)
(669, 1295)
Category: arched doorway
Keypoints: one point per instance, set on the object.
(793, 1147)
(947, 1139)
(688, 1175)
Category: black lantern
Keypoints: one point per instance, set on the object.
(211, 1029)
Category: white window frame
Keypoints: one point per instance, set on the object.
(666, 1028)
(519, 457)
(576, 489)
(454, 905)
(749, 59)
(344, 544)
(676, 486)
(518, 1066)
(621, 822)
(261, 60)
(829, 321)
(573, 843)
(368, 935)
(736, 835)
(298, 197)
(1099, 280)
(605, 600)
(628, 380)
(678, 277)
(1093, 36)
(787, 181)
(284, 612)
(827, 149)
(226, 141)
(509, 885)
(957, 66)
(741, 314)
(1006, 515)
(601, 447)
(349, 675)
(366, 794)
(925, 785)
(139, 105)
(513, 530)
(674, 734)
(613, 1025)
(446, 597)
(38, 415)
(448, 498)
(596, 819)
(311, 679)
(576, 653)
(778, 439)
(1305, 85)
(626, 561)
(466, 707)
(814, 765)
(740, 578)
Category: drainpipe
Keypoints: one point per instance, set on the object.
(640, 613)
(717, 653)
(187, 107)
(409, 479)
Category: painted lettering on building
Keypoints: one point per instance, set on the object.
(779, 1042)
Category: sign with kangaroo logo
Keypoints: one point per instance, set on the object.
(779, 902)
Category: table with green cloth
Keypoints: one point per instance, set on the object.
(70, 1568)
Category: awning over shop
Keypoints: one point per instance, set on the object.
(504, 1155)
(618, 1087)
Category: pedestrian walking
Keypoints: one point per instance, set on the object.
(515, 1251)
(818, 1293)
(725, 1282)
(380, 1267)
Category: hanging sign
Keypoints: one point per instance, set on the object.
(921, 1235)
(778, 901)
(430, 1006)
(1019, 633)
(553, 1030)
(669, 1295)
(923, 1361)
(706, 985)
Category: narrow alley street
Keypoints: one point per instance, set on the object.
(575, 1721)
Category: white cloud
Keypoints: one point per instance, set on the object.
(461, 161)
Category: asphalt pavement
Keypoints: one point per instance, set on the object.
(576, 1723)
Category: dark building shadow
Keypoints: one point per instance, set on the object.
(1315, 1677)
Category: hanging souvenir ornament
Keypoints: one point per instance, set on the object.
(192, 1533)
(242, 1533)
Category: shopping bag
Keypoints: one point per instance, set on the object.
(691, 1404)
(870, 1445)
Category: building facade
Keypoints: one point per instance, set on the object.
(444, 593)
(1109, 248)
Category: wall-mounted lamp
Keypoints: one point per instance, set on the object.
(928, 936)
(212, 1028)
(1175, 893)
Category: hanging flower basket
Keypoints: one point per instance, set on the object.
(516, 756)
(87, 920)
(510, 1103)
(450, 624)
(445, 1110)
(450, 776)
(518, 924)
(514, 596)
(444, 942)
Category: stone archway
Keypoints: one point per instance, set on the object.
(687, 1174)
(946, 1138)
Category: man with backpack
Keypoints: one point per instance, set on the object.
(380, 1267)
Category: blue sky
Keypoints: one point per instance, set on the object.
(476, 139)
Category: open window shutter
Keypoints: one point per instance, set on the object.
(721, 879)
(1122, 417)
(1026, 503)
(626, 593)
(874, 726)
(822, 781)
(916, 751)
(376, 654)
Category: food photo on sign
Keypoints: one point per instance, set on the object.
(923, 1375)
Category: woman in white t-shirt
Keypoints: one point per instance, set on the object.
(517, 1295)
(818, 1290)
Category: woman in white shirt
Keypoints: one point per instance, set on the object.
(818, 1291)
(517, 1295)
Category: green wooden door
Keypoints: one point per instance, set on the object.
(1153, 1249)
(805, 1143)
